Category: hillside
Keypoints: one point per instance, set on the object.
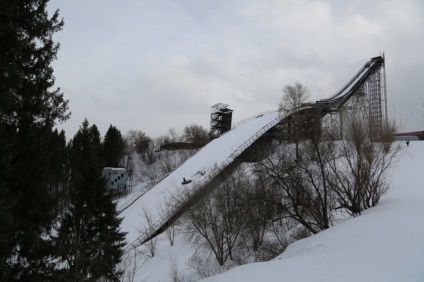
(385, 243)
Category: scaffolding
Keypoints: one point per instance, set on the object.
(384, 91)
(221, 117)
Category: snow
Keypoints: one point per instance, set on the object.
(385, 243)
(218, 153)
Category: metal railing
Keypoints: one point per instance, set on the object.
(250, 118)
(143, 191)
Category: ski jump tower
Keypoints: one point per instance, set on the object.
(221, 117)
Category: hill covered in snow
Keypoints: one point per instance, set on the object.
(385, 243)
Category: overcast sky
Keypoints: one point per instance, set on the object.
(161, 64)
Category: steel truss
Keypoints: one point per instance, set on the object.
(368, 101)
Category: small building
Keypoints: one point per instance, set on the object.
(116, 179)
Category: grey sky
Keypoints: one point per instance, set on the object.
(160, 64)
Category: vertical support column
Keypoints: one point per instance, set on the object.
(374, 100)
(384, 91)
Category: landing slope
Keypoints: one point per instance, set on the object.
(217, 154)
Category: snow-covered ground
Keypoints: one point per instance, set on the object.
(385, 243)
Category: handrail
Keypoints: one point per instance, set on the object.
(249, 118)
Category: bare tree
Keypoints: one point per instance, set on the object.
(294, 96)
(147, 230)
(291, 105)
(262, 207)
(282, 233)
(131, 263)
(173, 136)
(171, 232)
(202, 263)
(174, 274)
(136, 141)
(217, 222)
(301, 180)
(314, 166)
(163, 209)
(195, 134)
(327, 173)
(360, 174)
(294, 193)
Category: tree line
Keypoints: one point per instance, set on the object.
(59, 222)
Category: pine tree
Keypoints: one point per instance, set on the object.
(6, 217)
(29, 108)
(113, 147)
(89, 241)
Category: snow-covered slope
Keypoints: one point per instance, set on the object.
(198, 168)
(385, 243)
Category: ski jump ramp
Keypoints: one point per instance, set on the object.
(148, 212)
(145, 215)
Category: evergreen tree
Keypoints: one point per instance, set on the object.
(58, 167)
(113, 147)
(6, 217)
(29, 108)
(89, 241)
